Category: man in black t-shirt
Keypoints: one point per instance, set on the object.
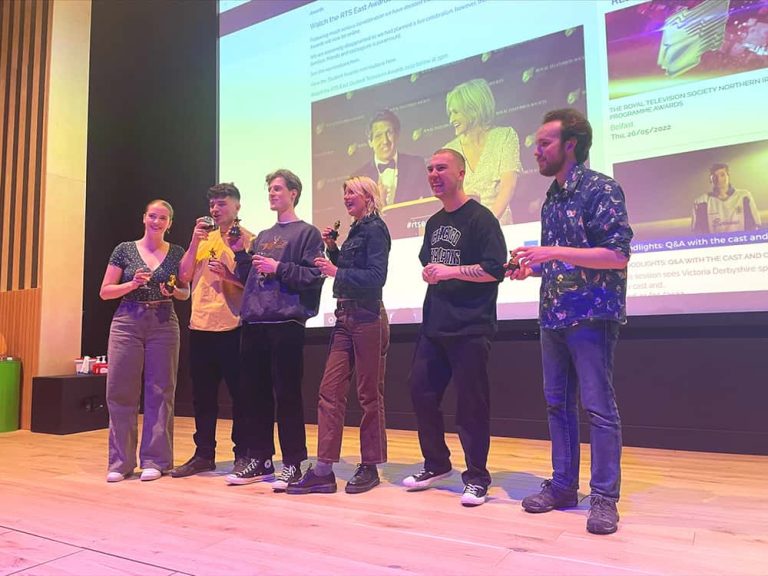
(463, 255)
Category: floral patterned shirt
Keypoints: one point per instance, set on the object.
(588, 211)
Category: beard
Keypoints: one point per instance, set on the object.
(553, 166)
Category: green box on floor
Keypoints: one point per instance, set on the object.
(10, 372)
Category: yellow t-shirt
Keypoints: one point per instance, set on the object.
(215, 302)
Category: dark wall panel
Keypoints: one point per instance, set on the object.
(151, 134)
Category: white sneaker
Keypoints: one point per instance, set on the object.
(149, 474)
(115, 477)
(287, 475)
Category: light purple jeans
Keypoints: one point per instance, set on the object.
(143, 336)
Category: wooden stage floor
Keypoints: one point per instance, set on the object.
(681, 513)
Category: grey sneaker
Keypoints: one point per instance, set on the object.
(255, 471)
(288, 474)
(550, 498)
(603, 516)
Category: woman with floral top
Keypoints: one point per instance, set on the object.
(143, 336)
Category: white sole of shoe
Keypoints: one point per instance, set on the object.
(149, 474)
(467, 500)
(115, 477)
(235, 481)
(414, 486)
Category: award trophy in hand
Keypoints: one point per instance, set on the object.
(334, 234)
(513, 264)
(262, 276)
(234, 230)
(170, 284)
(144, 271)
(210, 224)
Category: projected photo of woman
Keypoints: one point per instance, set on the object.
(492, 152)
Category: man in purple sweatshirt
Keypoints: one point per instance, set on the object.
(282, 290)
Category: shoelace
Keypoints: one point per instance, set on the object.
(252, 465)
(287, 473)
(473, 489)
(600, 503)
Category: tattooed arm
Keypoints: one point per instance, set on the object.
(434, 273)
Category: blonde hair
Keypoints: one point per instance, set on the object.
(368, 189)
(164, 203)
(475, 99)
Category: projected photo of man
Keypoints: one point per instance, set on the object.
(492, 152)
(724, 208)
(401, 177)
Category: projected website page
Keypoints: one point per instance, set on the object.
(675, 92)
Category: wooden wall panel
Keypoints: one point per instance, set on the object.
(25, 30)
(20, 324)
(24, 59)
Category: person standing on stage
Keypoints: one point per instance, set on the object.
(143, 337)
(463, 255)
(214, 329)
(359, 343)
(282, 290)
(582, 261)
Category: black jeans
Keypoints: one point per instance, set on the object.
(272, 364)
(435, 362)
(213, 356)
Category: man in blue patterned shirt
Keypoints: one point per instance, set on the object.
(582, 262)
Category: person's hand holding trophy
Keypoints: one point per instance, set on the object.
(235, 237)
(141, 278)
(203, 225)
(169, 286)
(330, 234)
(515, 268)
(215, 265)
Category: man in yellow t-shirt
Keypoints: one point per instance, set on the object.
(214, 335)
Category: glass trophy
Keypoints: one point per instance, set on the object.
(210, 223)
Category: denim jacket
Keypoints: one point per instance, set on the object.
(362, 260)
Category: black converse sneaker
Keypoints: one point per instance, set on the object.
(474, 495)
(289, 473)
(255, 471)
(424, 479)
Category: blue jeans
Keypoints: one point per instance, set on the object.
(579, 359)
